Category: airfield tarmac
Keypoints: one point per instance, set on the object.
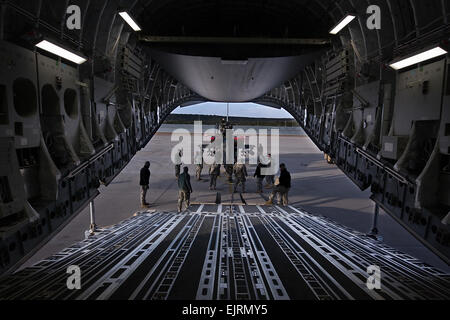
(318, 187)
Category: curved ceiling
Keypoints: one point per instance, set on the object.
(231, 80)
(234, 72)
(103, 32)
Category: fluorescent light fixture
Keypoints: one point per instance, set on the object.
(418, 58)
(61, 52)
(128, 19)
(341, 25)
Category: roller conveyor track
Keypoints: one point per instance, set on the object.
(228, 253)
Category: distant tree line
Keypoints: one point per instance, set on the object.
(242, 121)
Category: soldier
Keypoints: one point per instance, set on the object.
(214, 172)
(283, 187)
(260, 152)
(178, 163)
(270, 180)
(144, 183)
(185, 189)
(222, 127)
(199, 166)
(240, 172)
(259, 178)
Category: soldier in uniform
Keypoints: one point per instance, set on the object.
(185, 189)
(283, 187)
(199, 166)
(259, 178)
(223, 127)
(270, 180)
(240, 172)
(145, 182)
(214, 172)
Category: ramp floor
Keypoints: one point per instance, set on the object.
(228, 252)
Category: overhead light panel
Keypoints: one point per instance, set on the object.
(418, 58)
(61, 52)
(128, 19)
(341, 25)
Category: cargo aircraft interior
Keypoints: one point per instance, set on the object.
(86, 85)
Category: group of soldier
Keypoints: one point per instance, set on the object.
(184, 185)
(280, 187)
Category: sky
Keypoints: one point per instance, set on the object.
(250, 110)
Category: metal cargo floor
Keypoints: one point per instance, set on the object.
(217, 252)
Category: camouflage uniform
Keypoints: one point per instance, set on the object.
(282, 189)
(240, 172)
(270, 180)
(282, 192)
(183, 196)
(198, 171)
(199, 166)
(214, 172)
(185, 190)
